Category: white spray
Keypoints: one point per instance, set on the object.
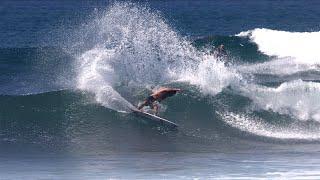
(132, 46)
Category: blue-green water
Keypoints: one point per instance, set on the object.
(70, 71)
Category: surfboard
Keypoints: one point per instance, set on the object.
(155, 118)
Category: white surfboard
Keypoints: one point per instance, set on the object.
(154, 118)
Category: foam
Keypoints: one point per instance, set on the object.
(296, 98)
(278, 66)
(258, 127)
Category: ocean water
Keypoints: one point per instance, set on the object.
(71, 70)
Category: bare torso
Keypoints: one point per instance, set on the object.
(163, 93)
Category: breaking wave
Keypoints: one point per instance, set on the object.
(134, 48)
(297, 98)
(301, 46)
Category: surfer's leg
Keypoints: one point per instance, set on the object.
(148, 102)
(153, 107)
(142, 105)
(156, 108)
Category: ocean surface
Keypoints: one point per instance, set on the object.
(71, 70)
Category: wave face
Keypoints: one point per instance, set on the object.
(35, 70)
(267, 87)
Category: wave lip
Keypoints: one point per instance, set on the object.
(302, 46)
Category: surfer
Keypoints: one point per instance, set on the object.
(158, 95)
